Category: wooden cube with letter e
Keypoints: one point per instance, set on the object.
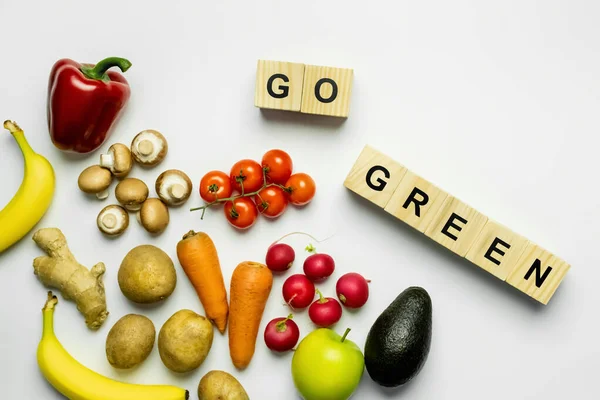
(279, 85)
(497, 249)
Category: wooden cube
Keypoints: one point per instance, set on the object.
(416, 201)
(374, 176)
(279, 85)
(327, 91)
(538, 273)
(456, 226)
(497, 249)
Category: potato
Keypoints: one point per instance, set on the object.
(130, 341)
(147, 275)
(184, 341)
(219, 385)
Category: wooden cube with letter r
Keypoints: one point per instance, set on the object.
(374, 176)
(416, 201)
(279, 85)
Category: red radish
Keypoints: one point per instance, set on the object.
(280, 257)
(282, 334)
(352, 290)
(298, 291)
(325, 311)
(319, 266)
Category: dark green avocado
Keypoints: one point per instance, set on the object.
(398, 343)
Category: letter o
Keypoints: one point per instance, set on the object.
(334, 90)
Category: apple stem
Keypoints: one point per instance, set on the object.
(321, 299)
(345, 334)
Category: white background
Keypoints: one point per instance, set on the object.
(496, 102)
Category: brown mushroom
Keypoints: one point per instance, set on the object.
(131, 193)
(95, 180)
(113, 220)
(173, 187)
(149, 148)
(154, 215)
(118, 160)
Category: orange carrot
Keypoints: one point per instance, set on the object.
(198, 257)
(251, 284)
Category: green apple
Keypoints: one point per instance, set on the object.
(327, 366)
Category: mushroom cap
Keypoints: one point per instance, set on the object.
(94, 179)
(118, 160)
(131, 193)
(149, 147)
(113, 220)
(154, 215)
(173, 187)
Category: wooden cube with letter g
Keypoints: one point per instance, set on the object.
(374, 176)
(279, 85)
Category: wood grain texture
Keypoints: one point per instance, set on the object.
(533, 276)
(295, 76)
(338, 107)
(377, 162)
(465, 234)
(420, 212)
(490, 250)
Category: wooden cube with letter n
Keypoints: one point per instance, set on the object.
(327, 91)
(279, 85)
(374, 176)
(538, 273)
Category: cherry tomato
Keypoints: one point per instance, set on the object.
(243, 215)
(302, 188)
(215, 185)
(251, 174)
(271, 201)
(279, 165)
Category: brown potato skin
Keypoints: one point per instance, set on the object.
(220, 385)
(185, 340)
(130, 341)
(147, 275)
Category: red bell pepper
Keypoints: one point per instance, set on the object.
(84, 102)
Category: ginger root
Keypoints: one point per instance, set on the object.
(60, 270)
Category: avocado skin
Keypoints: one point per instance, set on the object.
(398, 343)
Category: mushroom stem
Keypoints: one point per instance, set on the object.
(107, 160)
(177, 191)
(103, 194)
(145, 147)
(109, 221)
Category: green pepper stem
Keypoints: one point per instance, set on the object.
(99, 70)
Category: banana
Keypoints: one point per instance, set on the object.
(77, 382)
(32, 199)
